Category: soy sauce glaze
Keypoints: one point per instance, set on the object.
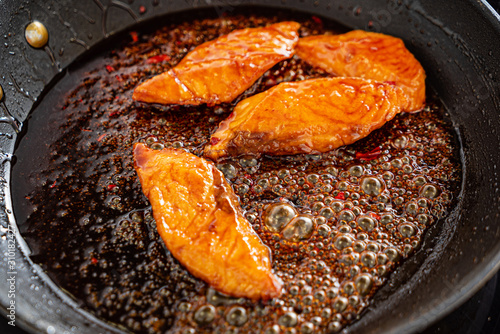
(337, 223)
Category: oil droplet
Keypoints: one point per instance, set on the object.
(334, 327)
(423, 219)
(288, 319)
(332, 292)
(157, 146)
(411, 208)
(248, 162)
(382, 258)
(237, 316)
(359, 246)
(326, 212)
(319, 295)
(228, 170)
(307, 328)
(346, 215)
(312, 178)
(407, 230)
(274, 329)
(300, 228)
(354, 300)
(324, 230)
(429, 191)
(184, 307)
(205, 315)
(36, 34)
(342, 242)
(386, 219)
(400, 142)
(340, 304)
(364, 283)
(356, 170)
(366, 223)
(392, 253)
(382, 270)
(243, 189)
(151, 140)
(278, 215)
(349, 288)
(372, 186)
(419, 181)
(369, 259)
(320, 220)
(373, 247)
(396, 163)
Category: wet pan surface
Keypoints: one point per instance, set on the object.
(356, 212)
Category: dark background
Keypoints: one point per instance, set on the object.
(479, 315)
(495, 4)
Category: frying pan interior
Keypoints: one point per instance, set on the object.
(458, 44)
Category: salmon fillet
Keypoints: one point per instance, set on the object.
(310, 116)
(367, 55)
(199, 219)
(220, 70)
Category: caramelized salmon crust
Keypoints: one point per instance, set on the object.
(367, 55)
(220, 70)
(310, 116)
(199, 219)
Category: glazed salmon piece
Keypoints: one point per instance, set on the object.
(199, 219)
(220, 70)
(310, 116)
(367, 55)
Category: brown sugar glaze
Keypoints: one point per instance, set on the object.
(354, 213)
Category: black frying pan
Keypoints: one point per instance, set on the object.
(458, 44)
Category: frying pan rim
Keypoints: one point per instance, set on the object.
(489, 270)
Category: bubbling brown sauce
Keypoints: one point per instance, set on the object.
(337, 223)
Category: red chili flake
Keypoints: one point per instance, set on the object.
(214, 140)
(111, 187)
(317, 20)
(114, 113)
(157, 59)
(109, 68)
(390, 83)
(94, 260)
(101, 137)
(53, 185)
(374, 215)
(86, 130)
(134, 35)
(366, 156)
(340, 196)
(142, 9)
(118, 78)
